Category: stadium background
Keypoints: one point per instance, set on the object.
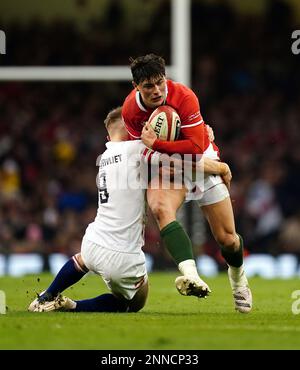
(247, 81)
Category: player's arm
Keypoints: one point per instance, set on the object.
(213, 167)
(188, 146)
(206, 165)
(209, 167)
(193, 131)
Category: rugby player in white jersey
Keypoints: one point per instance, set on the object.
(112, 244)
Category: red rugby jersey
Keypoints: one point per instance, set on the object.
(193, 137)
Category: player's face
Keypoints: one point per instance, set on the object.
(153, 92)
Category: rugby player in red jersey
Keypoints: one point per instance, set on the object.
(152, 89)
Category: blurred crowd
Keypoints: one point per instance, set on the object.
(51, 133)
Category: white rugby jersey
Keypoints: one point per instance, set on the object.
(121, 182)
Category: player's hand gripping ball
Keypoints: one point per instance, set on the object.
(165, 122)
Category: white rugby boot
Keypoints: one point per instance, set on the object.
(192, 286)
(48, 303)
(190, 283)
(63, 303)
(43, 303)
(240, 289)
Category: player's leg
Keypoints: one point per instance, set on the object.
(71, 272)
(107, 302)
(221, 220)
(128, 293)
(164, 204)
(126, 278)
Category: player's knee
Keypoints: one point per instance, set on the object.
(136, 306)
(139, 300)
(159, 208)
(227, 240)
(80, 262)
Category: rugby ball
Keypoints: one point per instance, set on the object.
(166, 123)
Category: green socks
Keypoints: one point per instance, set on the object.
(234, 259)
(180, 247)
(177, 242)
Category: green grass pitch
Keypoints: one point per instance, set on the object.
(168, 321)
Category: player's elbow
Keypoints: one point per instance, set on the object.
(196, 150)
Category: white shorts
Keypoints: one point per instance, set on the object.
(210, 190)
(123, 273)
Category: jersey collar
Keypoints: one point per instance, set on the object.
(139, 101)
(167, 90)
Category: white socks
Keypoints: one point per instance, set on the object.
(237, 276)
(188, 268)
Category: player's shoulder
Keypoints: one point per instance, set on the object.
(178, 92)
(129, 103)
(133, 115)
(134, 146)
(131, 150)
(130, 97)
(178, 88)
(124, 148)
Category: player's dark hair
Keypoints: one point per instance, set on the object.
(114, 115)
(147, 67)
